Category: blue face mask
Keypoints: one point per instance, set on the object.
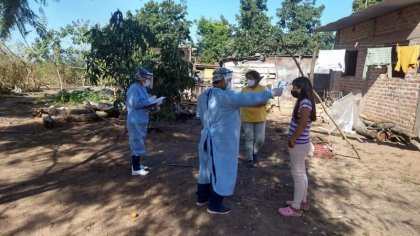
(250, 82)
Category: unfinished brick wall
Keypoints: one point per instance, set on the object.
(399, 26)
(405, 19)
(395, 99)
(355, 84)
(352, 34)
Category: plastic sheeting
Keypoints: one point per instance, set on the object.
(346, 112)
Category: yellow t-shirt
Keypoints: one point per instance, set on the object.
(254, 114)
(407, 55)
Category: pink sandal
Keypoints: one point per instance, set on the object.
(302, 207)
(288, 211)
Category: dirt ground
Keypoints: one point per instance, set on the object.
(75, 180)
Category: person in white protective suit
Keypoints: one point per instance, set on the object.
(219, 112)
(138, 106)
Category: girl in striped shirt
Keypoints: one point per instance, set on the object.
(304, 114)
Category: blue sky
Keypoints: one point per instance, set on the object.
(64, 12)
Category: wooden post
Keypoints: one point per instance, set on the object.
(319, 99)
(311, 74)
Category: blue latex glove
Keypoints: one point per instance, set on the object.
(283, 83)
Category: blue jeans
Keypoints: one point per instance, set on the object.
(254, 137)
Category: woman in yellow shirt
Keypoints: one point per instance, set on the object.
(253, 119)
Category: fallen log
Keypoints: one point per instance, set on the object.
(415, 144)
(105, 107)
(102, 114)
(81, 117)
(362, 130)
(48, 122)
(78, 111)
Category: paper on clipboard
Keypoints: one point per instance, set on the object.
(156, 100)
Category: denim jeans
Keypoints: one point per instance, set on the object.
(254, 137)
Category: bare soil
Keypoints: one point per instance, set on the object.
(75, 180)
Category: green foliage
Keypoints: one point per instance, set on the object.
(214, 40)
(17, 13)
(254, 33)
(47, 48)
(74, 37)
(116, 50)
(362, 4)
(77, 97)
(297, 20)
(65, 49)
(150, 38)
(167, 23)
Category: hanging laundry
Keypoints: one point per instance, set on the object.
(378, 57)
(418, 59)
(407, 55)
(330, 60)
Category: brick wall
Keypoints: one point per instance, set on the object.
(399, 26)
(395, 99)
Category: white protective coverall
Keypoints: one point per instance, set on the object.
(219, 144)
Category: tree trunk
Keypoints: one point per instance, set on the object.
(59, 76)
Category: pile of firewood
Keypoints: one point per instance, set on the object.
(383, 131)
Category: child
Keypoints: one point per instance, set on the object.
(299, 145)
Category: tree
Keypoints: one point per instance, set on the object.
(150, 38)
(17, 13)
(362, 4)
(49, 49)
(254, 33)
(75, 37)
(116, 51)
(297, 20)
(64, 48)
(168, 24)
(214, 40)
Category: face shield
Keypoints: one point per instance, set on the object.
(228, 77)
(144, 75)
(225, 74)
(149, 81)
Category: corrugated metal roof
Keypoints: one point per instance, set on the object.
(379, 9)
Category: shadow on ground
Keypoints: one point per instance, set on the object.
(76, 178)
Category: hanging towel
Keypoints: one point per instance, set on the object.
(378, 57)
(418, 71)
(407, 55)
(330, 60)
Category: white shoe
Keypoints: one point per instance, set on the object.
(144, 167)
(139, 172)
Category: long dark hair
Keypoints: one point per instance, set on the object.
(306, 92)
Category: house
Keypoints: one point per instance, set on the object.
(272, 68)
(395, 97)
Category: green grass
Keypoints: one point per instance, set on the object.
(77, 97)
